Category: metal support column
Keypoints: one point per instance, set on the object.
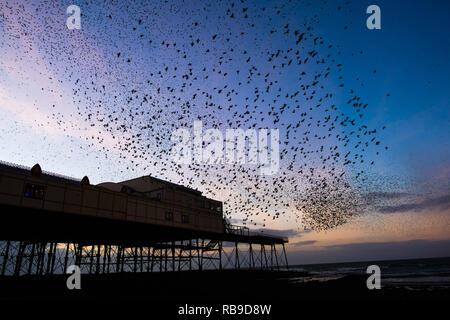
(285, 257)
(5, 257)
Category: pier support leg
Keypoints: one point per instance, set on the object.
(237, 262)
(18, 265)
(30, 264)
(285, 257)
(66, 258)
(5, 257)
(220, 255)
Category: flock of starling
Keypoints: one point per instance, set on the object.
(160, 67)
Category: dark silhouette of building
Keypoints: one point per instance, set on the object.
(49, 222)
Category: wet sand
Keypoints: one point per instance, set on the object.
(282, 290)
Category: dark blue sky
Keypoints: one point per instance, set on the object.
(67, 95)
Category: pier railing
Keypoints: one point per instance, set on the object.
(245, 231)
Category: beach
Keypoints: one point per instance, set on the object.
(220, 295)
(227, 286)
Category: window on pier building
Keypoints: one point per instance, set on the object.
(34, 191)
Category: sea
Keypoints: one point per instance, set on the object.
(414, 272)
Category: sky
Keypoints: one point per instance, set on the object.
(102, 101)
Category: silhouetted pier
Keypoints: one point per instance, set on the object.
(49, 222)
